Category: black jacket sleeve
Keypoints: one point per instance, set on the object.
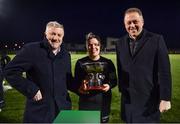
(164, 71)
(14, 73)
(70, 79)
(78, 75)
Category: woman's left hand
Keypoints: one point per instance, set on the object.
(106, 87)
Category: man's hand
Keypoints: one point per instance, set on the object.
(38, 96)
(164, 106)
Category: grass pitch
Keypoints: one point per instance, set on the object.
(13, 111)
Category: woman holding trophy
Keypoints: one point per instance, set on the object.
(95, 76)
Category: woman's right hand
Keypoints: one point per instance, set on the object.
(38, 96)
(83, 88)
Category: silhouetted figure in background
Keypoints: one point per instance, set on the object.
(5, 59)
(1, 89)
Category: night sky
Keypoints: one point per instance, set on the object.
(23, 20)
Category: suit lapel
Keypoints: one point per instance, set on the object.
(127, 48)
(142, 42)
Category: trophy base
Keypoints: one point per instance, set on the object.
(95, 87)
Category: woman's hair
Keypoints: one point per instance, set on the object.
(90, 36)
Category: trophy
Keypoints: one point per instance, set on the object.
(95, 77)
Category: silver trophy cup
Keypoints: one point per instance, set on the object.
(95, 77)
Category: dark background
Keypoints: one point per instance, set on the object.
(25, 20)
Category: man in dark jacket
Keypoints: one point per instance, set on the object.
(48, 71)
(143, 71)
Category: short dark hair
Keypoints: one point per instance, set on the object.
(134, 9)
(90, 36)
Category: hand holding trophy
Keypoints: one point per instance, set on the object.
(106, 87)
(83, 87)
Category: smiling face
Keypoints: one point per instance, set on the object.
(54, 36)
(133, 22)
(93, 48)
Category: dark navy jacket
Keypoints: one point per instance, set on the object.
(46, 72)
(144, 79)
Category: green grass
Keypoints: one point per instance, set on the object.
(13, 111)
